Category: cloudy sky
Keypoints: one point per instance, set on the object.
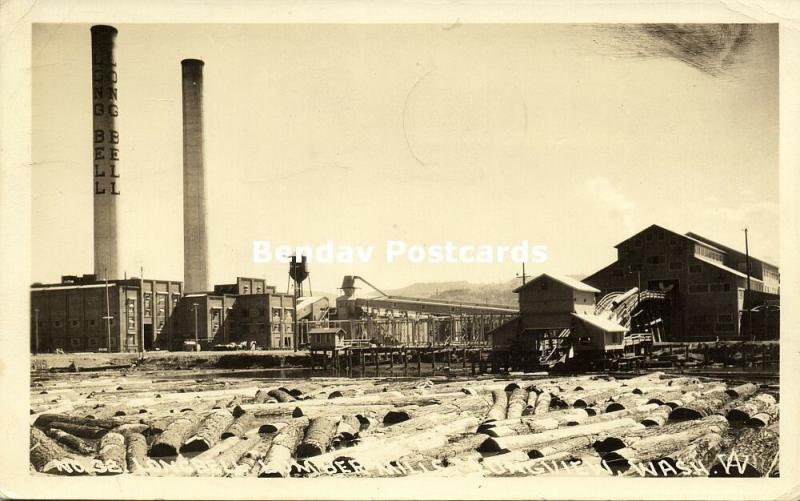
(572, 137)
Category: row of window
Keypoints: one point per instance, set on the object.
(92, 322)
(709, 288)
(660, 260)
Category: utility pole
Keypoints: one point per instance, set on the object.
(747, 264)
(141, 312)
(108, 316)
(36, 331)
(196, 339)
(524, 277)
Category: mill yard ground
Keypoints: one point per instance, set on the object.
(731, 354)
(165, 360)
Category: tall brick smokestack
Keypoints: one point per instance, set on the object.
(195, 240)
(106, 151)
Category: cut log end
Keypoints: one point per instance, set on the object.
(394, 417)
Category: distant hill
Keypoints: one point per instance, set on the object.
(491, 293)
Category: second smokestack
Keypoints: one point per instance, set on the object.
(195, 239)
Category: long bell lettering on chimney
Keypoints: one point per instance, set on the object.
(106, 148)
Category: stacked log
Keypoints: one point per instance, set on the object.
(517, 403)
(248, 463)
(318, 437)
(70, 441)
(743, 390)
(79, 430)
(499, 405)
(655, 447)
(658, 417)
(558, 446)
(135, 451)
(239, 426)
(756, 455)
(170, 441)
(346, 431)
(49, 457)
(746, 410)
(509, 443)
(530, 406)
(281, 395)
(703, 406)
(767, 415)
(542, 403)
(691, 460)
(113, 453)
(209, 432)
(284, 444)
(614, 440)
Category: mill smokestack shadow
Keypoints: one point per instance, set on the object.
(195, 237)
(106, 171)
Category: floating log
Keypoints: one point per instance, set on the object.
(703, 406)
(499, 406)
(743, 390)
(209, 432)
(49, 457)
(135, 451)
(113, 453)
(746, 410)
(516, 403)
(79, 430)
(170, 441)
(527, 441)
(318, 437)
(757, 455)
(284, 444)
(71, 441)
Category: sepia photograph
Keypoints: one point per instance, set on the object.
(449, 252)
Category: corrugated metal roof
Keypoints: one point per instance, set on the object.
(600, 322)
(569, 282)
(721, 266)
